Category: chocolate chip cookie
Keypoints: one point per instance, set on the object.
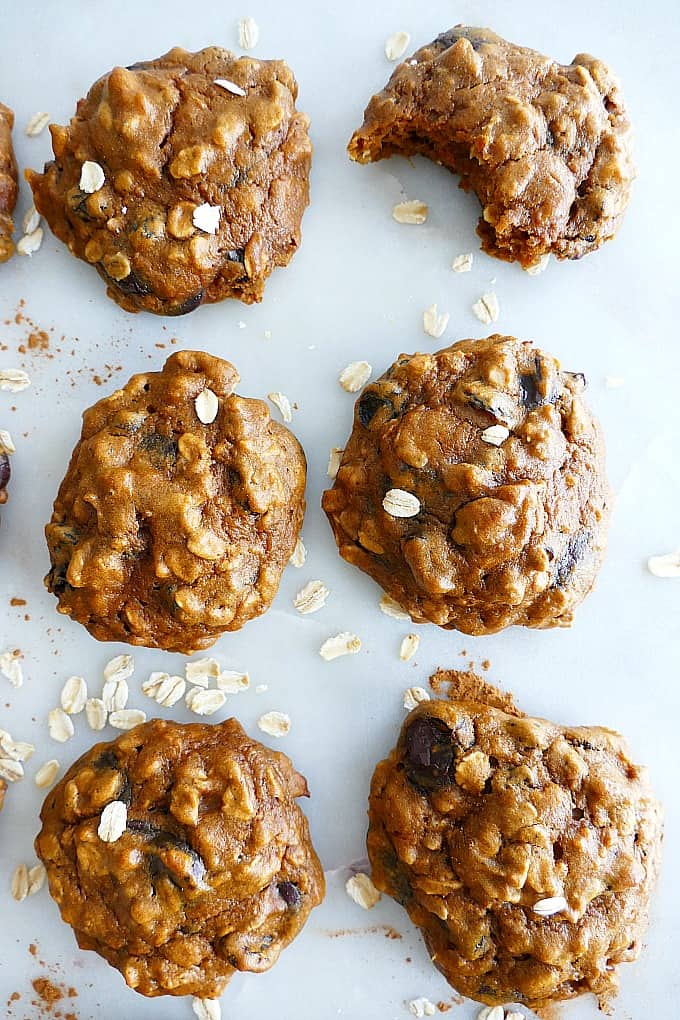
(526, 852)
(9, 189)
(179, 510)
(546, 147)
(182, 180)
(178, 853)
(472, 487)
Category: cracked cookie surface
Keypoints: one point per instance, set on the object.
(170, 140)
(214, 871)
(502, 534)
(9, 189)
(546, 147)
(481, 818)
(166, 531)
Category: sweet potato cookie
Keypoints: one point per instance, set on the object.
(179, 510)
(182, 180)
(472, 488)
(546, 147)
(526, 852)
(9, 190)
(203, 865)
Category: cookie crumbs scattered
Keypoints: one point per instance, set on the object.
(459, 685)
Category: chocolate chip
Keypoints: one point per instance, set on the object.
(106, 760)
(368, 406)
(447, 39)
(236, 255)
(429, 753)
(290, 894)
(162, 450)
(5, 472)
(529, 394)
(186, 306)
(577, 546)
(579, 378)
(132, 284)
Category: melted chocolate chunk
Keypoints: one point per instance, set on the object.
(529, 394)
(132, 284)
(188, 305)
(162, 450)
(577, 546)
(447, 39)
(430, 754)
(368, 406)
(290, 894)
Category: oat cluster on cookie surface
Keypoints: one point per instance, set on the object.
(508, 527)
(213, 872)
(169, 528)
(526, 852)
(545, 146)
(9, 189)
(185, 132)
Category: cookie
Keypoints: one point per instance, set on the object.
(472, 487)
(179, 510)
(182, 180)
(9, 189)
(5, 473)
(178, 853)
(546, 147)
(526, 852)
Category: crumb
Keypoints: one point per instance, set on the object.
(444, 1007)
(486, 664)
(17, 602)
(454, 684)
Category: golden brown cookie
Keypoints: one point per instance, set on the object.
(178, 853)
(179, 510)
(472, 487)
(526, 852)
(9, 189)
(182, 180)
(546, 147)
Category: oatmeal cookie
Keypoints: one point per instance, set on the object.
(179, 510)
(182, 180)
(9, 189)
(211, 868)
(526, 852)
(472, 487)
(546, 147)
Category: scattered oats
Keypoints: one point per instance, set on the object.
(662, 566)
(360, 888)
(614, 382)
(413, 696)
(30, 243)
(267, 334)
(390, 607)
(207, 1009)
(6, 443)
(341, 644)
(355, 376)
(409, 647)
(115, 695)
(487, 308)
(204, 702)
(202, 671)
(60, 725)
(311, 598)
(434, 324)
(36, 878)
(495, 435)
(231, 681)
(74, 695)
(17, 750)
(334, 461)
(10, 667)
(91, 177)
(165, 690)
(491, 1013)
(121, 667)
(399, 503)
(19, 883)
(422, 1007)
(127, 718)
(37, 124)
(299, 554)
(96, 713)
(395, 45)
(14, 379)
(514, 1016)
(206, 406)
(113, 822)
(276, 724)
(281, 401)
(413, 211)
(31, 220)
(463, 263)
(549, 906)
(230, 86)
(261, 688)
(206, 217)
(540, 266)
(11, 770)
(47, 773)
(248, 33)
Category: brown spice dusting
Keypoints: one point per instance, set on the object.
(376, 929)
(38, 340)
(455, 685)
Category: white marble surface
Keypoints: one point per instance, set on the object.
(356, 290)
